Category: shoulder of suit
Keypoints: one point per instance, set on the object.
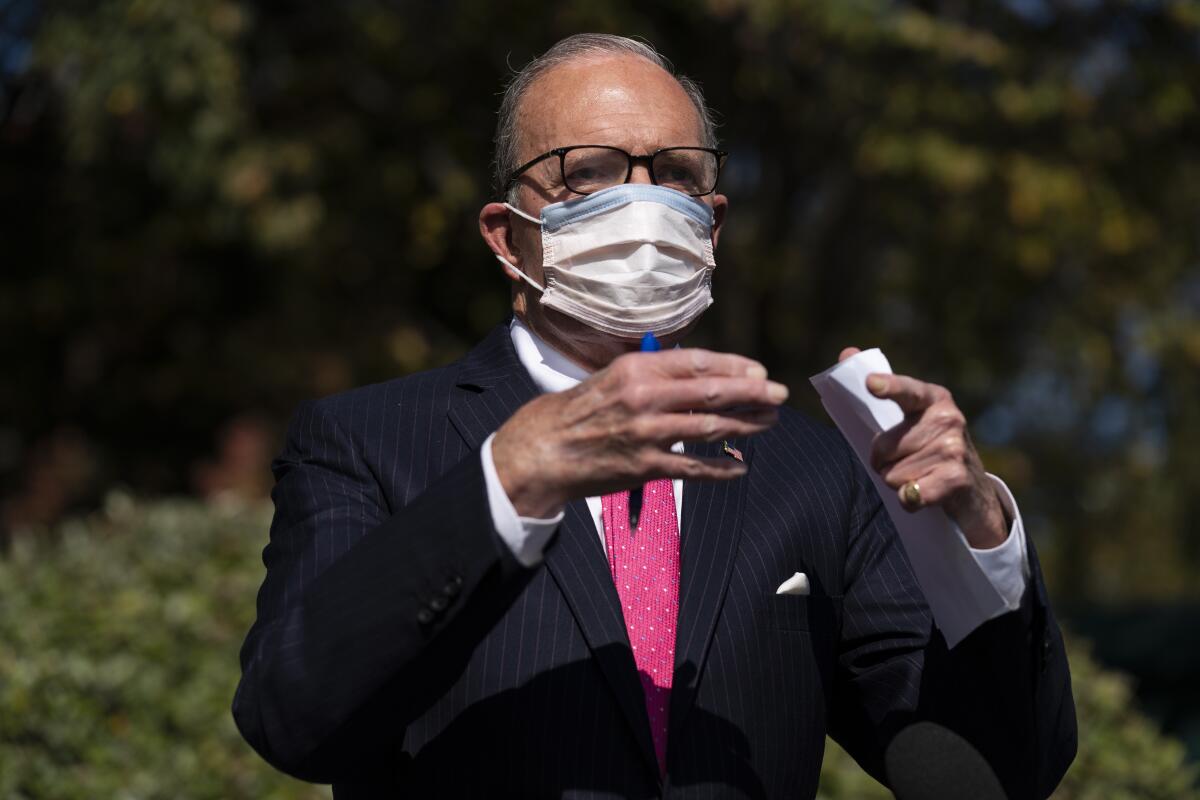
(797, 422)
(797, 430)
(494, 348)
(426, 383)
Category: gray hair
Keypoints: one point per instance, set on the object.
(581, 45)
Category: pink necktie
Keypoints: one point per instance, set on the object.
(645, 568)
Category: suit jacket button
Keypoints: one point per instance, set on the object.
(438, 604)
(452, 587)
(424, 616)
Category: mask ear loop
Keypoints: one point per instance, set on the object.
(521, 213)
(528, 279)
(508, 263)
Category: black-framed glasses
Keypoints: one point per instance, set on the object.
(588, 168)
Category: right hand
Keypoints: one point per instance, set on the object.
(614, 430)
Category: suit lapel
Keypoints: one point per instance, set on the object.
(712, 526)
(494, 384)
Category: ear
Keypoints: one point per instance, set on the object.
(720, 205)
(495, 226)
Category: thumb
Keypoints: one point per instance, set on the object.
(847, 353)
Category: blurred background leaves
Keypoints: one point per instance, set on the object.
(121, 633)
(215, 209)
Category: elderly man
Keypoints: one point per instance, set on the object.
(562, 568)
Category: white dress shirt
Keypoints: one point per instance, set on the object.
(1006, 566)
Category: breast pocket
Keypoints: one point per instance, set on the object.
(819, 615)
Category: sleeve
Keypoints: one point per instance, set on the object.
(1005, 687)
(526, 537)
(1006, 566)
(363, 614)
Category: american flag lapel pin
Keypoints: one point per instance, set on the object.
(732, 452)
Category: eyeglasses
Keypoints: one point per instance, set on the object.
(588, 168)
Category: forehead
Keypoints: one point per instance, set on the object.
(624, 101)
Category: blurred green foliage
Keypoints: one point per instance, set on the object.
(1121, 756)
(118, 663)
(220, 207)
(118, 657)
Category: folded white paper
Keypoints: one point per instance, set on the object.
(955, 586)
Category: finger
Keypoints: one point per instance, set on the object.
(914, 435)
(692, 362)
(693, 467)
(937, 486)
(666, 429)
(848, 352)
(886, 446)
(714, 393)
(911, 394)
(898, 473)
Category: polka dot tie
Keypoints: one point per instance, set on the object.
(645, 568)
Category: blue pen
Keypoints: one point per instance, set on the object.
(649, 345)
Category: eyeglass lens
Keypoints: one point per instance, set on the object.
(590, 169)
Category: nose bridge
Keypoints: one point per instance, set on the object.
(641, 169)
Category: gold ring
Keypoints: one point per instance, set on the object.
(910, 493)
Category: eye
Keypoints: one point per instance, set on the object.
(684, 170)
(583, 172)
(588, 169)
(678, 173)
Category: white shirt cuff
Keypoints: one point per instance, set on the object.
(526, 537)
(1007, 565)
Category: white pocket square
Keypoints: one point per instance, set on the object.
(797, 584)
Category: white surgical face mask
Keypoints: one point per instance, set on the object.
(627, 259)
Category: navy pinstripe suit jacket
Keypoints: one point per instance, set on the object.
(400, 650)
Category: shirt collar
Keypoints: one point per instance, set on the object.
(551, 370)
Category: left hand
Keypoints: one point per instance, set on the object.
(932, 448)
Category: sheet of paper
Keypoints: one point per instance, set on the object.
(955, 586)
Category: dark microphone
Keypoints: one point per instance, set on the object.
(927, 761)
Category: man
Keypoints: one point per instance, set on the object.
(554, 567)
